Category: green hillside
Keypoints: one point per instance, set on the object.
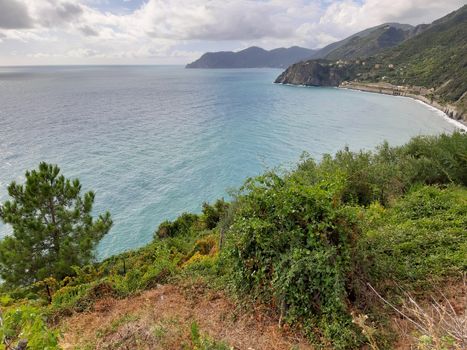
(432, 63)
(436, 58)
(367, 42)
(309, 247)
(380, 38)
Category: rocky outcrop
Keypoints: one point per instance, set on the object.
(314, 73)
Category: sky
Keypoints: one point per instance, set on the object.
(52, 32)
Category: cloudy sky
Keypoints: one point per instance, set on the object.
(36, 32)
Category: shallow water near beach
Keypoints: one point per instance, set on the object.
(156, 141)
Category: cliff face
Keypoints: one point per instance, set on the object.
(313, 73)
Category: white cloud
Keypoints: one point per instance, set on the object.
(78, 29)
(354, 15)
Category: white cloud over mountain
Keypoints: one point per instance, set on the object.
(175, 31)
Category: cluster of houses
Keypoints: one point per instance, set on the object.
(342, 63)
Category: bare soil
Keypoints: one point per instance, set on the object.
(161, 319)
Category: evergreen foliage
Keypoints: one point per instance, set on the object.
(213, 213)
(53, 229)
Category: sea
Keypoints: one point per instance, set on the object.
(156, 141)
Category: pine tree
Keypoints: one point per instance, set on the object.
(53, 229)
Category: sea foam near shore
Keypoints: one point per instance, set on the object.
(457, 123)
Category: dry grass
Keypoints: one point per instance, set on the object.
(437, 323)
(160, 319)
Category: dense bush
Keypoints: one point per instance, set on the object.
(296, 240)
(436, 160)
(419, 241)
(27, 325)
(180, 226)
(212, 214)
(289, 246)
(391, 171)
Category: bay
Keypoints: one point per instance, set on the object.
(156, 141)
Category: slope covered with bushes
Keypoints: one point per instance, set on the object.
(310, 245)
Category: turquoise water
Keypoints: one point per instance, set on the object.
(154, 142)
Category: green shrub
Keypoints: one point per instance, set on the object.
(212, 214)
(437, 159)
(422, 237)
(140, 277)
(81, 297)
(69, 297)
(389, 172)
(6, 300)
(26, 323)
(289, 246)
(181, 226)
(203, 342)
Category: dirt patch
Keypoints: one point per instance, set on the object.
(160, 319)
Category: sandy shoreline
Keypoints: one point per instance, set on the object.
(458, 123)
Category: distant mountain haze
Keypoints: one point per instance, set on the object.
(253, 57)
(360, 45)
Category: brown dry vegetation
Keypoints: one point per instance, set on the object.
(441, 315)
(160, 318)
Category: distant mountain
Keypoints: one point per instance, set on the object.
(367, 42)
(360, 45)
(432, 63)
(252, 57)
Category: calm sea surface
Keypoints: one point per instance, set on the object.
(154, 142)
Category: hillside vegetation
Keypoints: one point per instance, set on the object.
(367, 43)
(435, 59)
(327, 251)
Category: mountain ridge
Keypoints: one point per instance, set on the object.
(359, 45)
(366, 42)
(252, 57)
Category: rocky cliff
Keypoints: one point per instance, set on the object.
(315, 73)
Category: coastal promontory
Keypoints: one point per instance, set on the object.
(430, 66)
